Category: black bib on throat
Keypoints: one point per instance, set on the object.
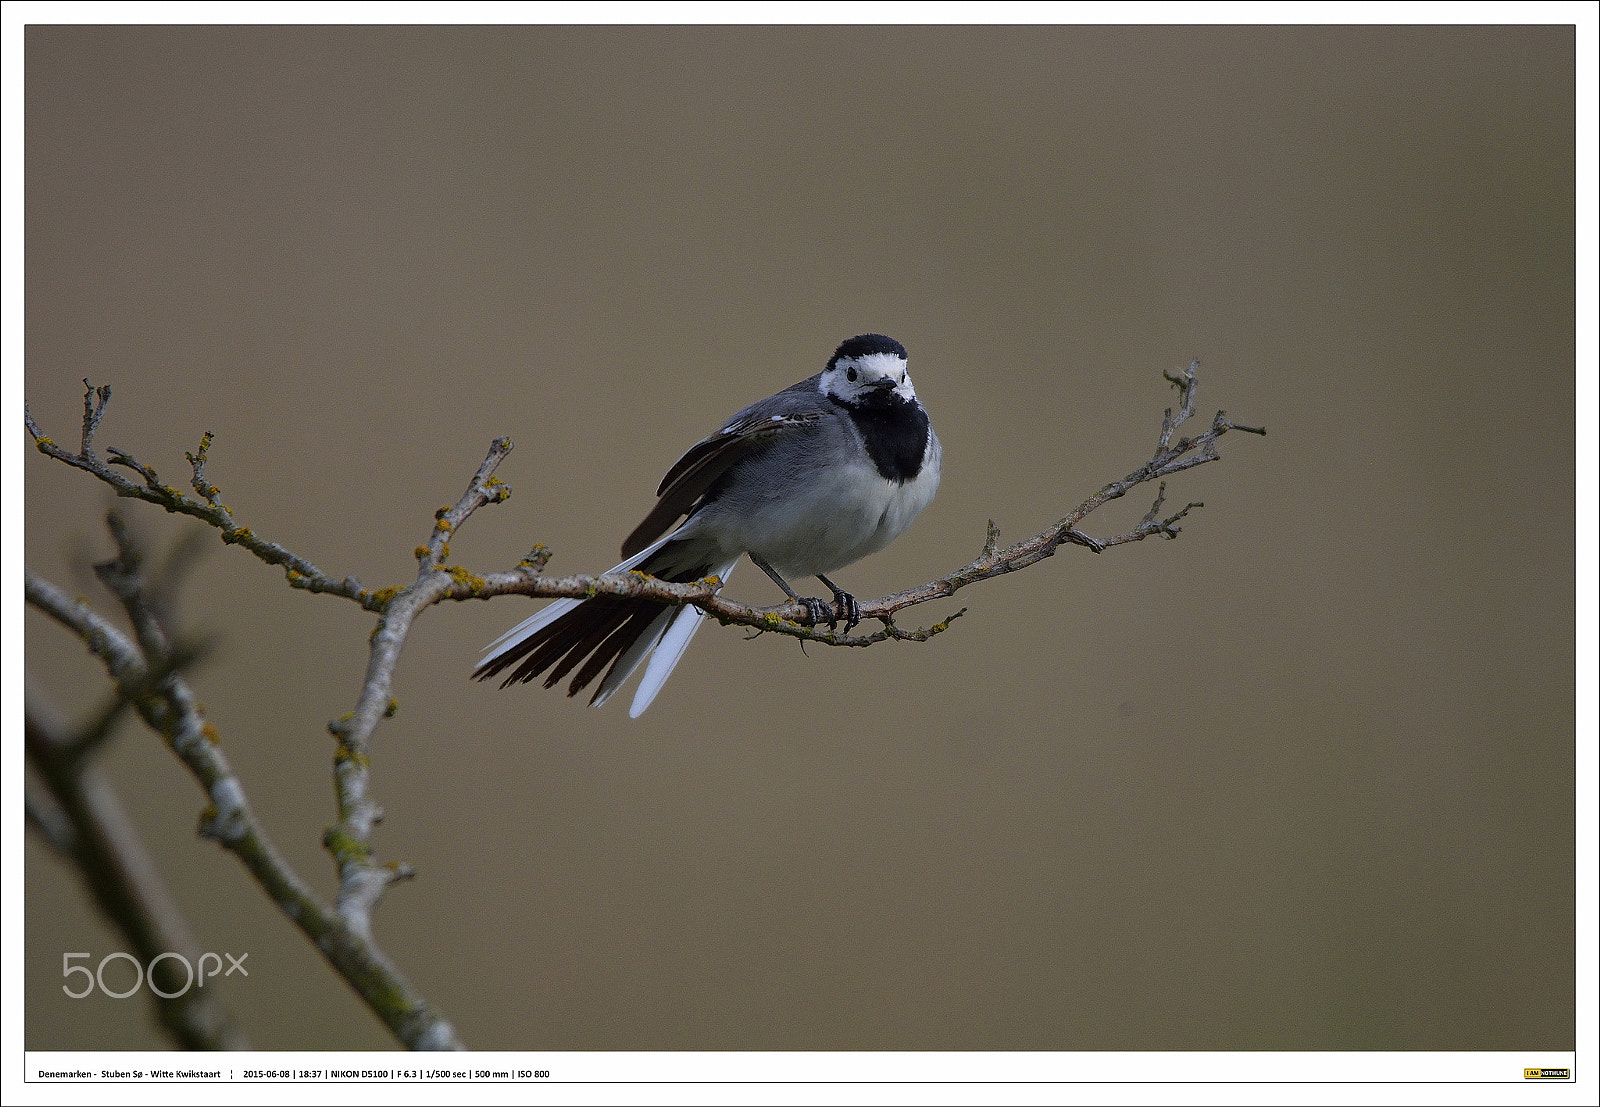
(896, 436)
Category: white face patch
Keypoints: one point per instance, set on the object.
(853, 379)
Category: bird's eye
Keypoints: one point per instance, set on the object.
(851, 373)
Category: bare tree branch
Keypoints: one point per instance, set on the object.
(210, 510)
(527, 577)
(46, 816)
(437, 581)
(344, 932)
(361, 882)
(1169, 458)
(85, 822)
(168, 706)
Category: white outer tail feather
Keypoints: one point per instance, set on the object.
(670, 651)
(624, 666)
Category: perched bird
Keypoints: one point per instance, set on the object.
(805, 482)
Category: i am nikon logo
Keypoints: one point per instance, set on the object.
(1547, 1074)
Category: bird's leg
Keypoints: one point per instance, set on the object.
(844, 604)
(813, 606)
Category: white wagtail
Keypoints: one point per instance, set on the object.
(806, 482)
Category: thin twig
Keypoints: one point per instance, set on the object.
(210, 510)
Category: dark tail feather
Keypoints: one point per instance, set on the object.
(610, 651)
(600, 629)
(601, 626)
(582, 641)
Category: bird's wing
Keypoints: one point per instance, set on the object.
(698, 469)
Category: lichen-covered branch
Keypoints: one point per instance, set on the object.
(169, 707)
(361, 881)
(83, 819)
(439, 581)
(1169, 459)
(209, 509)
(343, 931)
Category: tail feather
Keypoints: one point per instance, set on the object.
(608, 623)
(634, 654)
(589, 635)
(541, 618)
(556, 609)
(665, 658)
(597, 629)
(613, 646)
(674, 642)
(544, 646)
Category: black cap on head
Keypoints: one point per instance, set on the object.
(863, 344)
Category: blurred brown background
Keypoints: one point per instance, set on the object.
(1301, 779)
